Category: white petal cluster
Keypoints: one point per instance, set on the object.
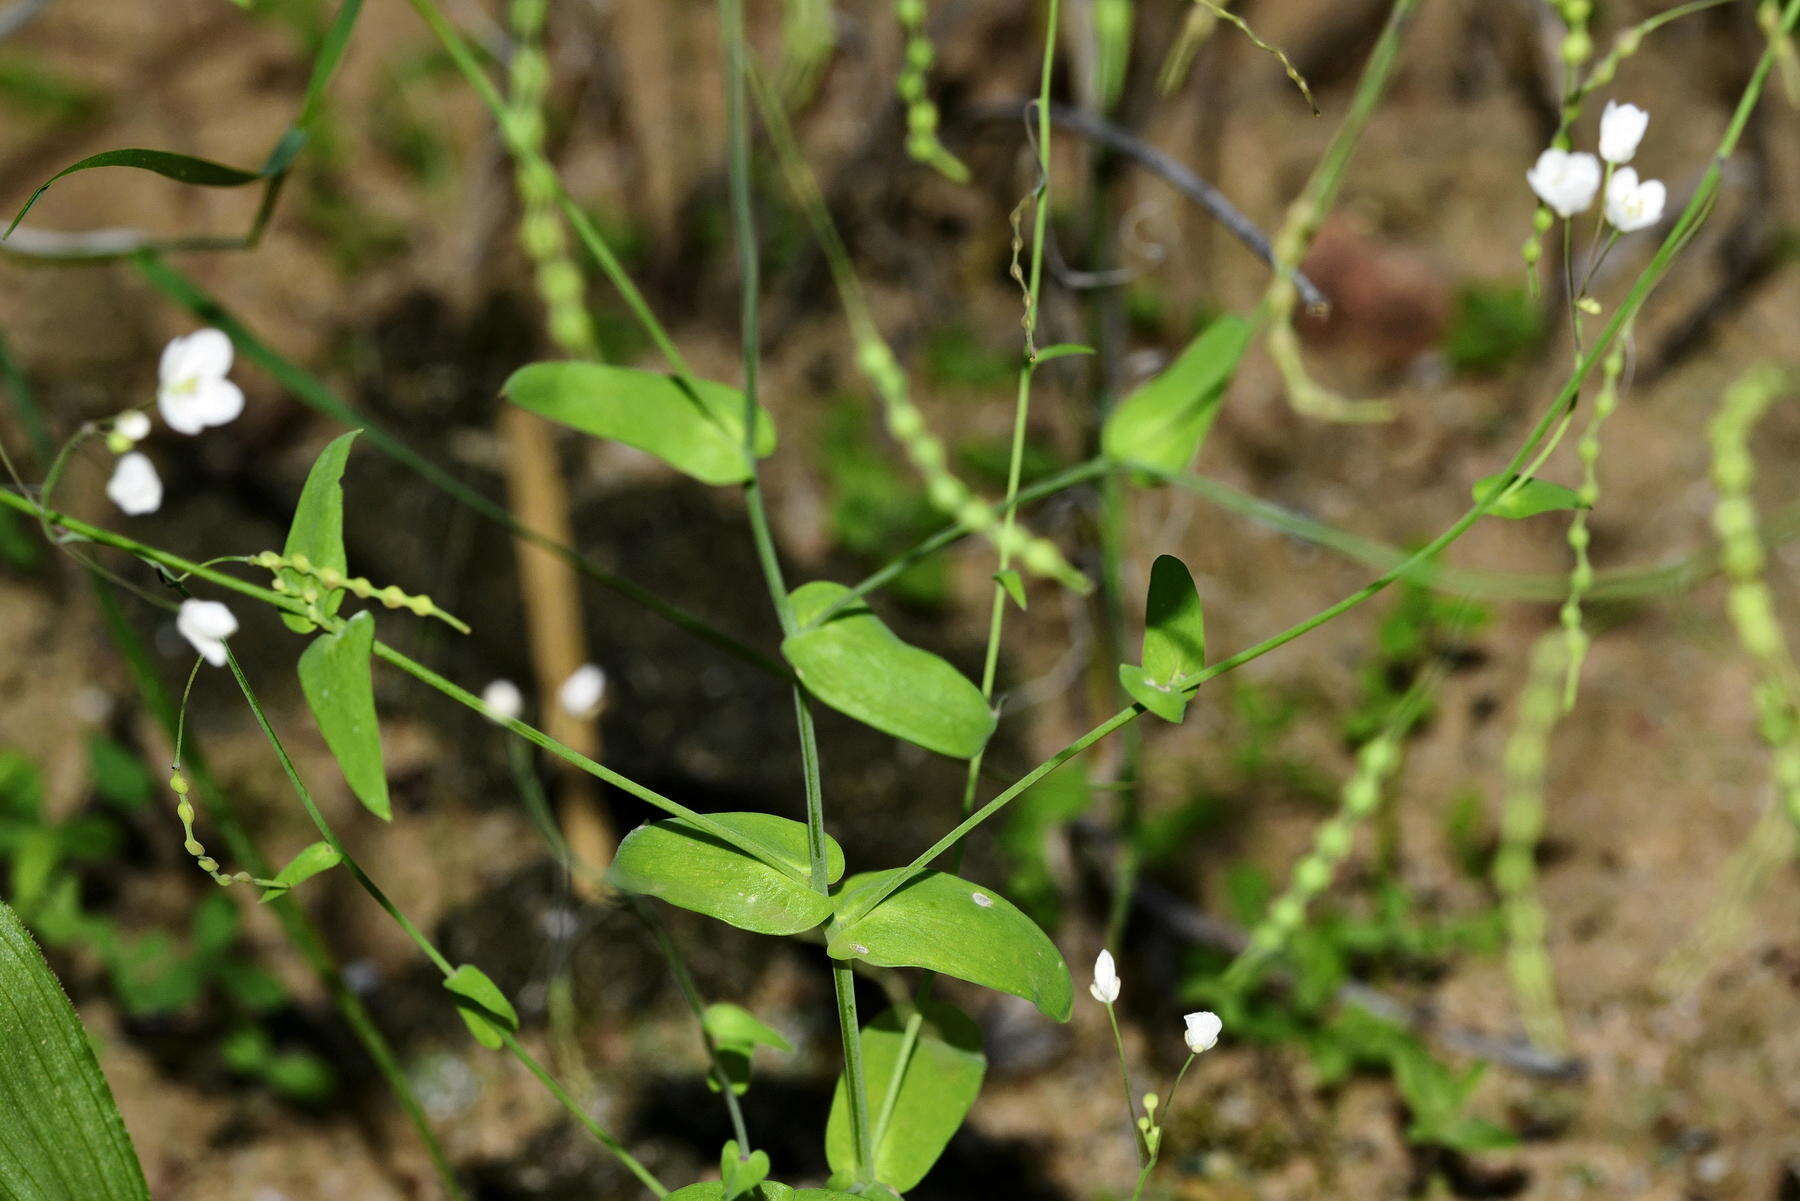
(503, 700)
(135, 487)
(1565, 180)
(1105, 988)
(192, 391)
(206, 624)
(581, 694)
(1203, 1029)
(1632, 205)
(1622, 127)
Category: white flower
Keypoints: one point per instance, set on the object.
(503, 700)
(192, 390)
(206, 624)
(581, 693)
(1105, 988)
(1631, 205)
(134, 485)
(1202, 1031)
(1621, 129)
(133, 425)
(1564, 181)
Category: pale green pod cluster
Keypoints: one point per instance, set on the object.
(1376, 762)
(1750, 603)
(925, 450)
(541, 233)
(922, 141)
(184, 809)
(330, 579)
(1521, 828)
(1581, 576)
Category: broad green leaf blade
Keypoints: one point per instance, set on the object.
(859, 667)
(943, 923)
(334, 675)
(938, 1085)
(677, 862)
(701, 434)
(1530, 498)
(1174, 627)
(768, 1190)
(484, 1008)
(319, 857)
(736, 1033)
(61, 1138)
(1160, 699)
(1163, 423)
(182, 168)
(318, 529)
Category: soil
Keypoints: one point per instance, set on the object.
(392, 272)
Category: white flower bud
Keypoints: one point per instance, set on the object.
(1105, 988)
(1203, 1030)
(206, 624)
(581, 694)
(1621, 129)
(134, 485)
(503, 700)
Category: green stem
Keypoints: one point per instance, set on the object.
(1131, 1115)
(418, 937)
(690, 992)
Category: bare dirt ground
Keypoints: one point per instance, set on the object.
(392, 272)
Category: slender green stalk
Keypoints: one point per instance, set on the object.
(425, 945)
(690, 992)
(1131, 1113)
(731, 20)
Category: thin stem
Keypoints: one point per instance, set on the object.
(418, 937)
(1131, 1115)
(690, 992)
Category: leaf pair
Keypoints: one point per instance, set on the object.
(1174, 641)
(934, 921)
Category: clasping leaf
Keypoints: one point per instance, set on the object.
(676, 861)
(1162, 424)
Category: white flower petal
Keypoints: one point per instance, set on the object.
(219, 401)
(1621, 129)
(1631, 205)
(1105, 988)
(503, 700)
(1564, 181)
(203, 354)
(206, 625)
(133, 425)
(581, 694)
(135, 486)
(1203, 1029)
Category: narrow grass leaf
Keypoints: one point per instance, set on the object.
(61, 1137)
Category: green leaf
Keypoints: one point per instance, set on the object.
(1015, 586)
(318, 529)
(1532, 497)
(859, 667)
(1168, 703)
(678, 862)
(1061, 350)
(319, 857)
(334, 675)
(1174, 627)
(768, 1190)
(1163, 423)
(700, 434)
(736, 1033)
(938, 1084)
(61, 1138)
(483, 1006)
(739, 1173)
(182, 168)
(943, 923)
